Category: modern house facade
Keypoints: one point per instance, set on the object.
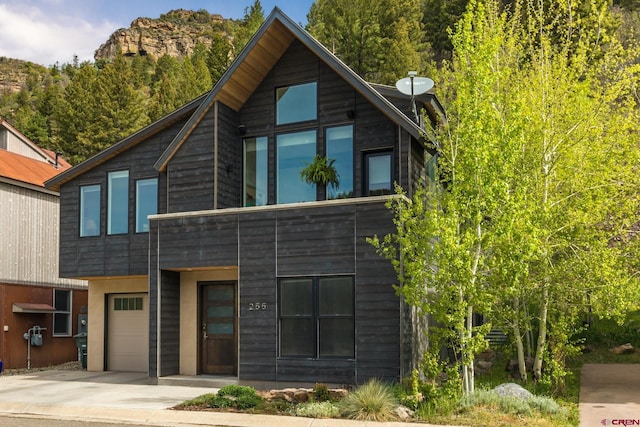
(32, 296)
(205, 251)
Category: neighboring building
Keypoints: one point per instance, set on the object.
(242, 269)
(31, 294)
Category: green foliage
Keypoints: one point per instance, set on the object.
(233, 396)
(322, 409)
(321, 172)
(321, 393)
(514, 405)
(373, 401)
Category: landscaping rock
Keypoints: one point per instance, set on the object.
(482, 367)
(403, 413)
(511, 389)
(623, 349)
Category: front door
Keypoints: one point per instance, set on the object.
(218, 328)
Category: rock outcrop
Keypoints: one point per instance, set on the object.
(175, 34)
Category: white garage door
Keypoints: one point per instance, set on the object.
(128, 333)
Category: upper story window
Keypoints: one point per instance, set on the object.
(255, 171)
(295, 151)
(316, 317)
(89, 210)
(146, 202)
(339, 147)
(118, 203)
(296, 103)
(62, 315)
(378, 173)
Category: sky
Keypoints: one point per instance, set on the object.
(53, 31)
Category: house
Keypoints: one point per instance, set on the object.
(206, 253)
(32, 296)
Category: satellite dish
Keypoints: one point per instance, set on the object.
(420, 85)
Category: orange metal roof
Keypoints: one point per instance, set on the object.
(20, 168)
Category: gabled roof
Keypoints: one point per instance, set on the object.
(255, 61)
(125, 144)
(20, 168)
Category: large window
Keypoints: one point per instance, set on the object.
(296, 103)
(118, 203)
(255, 171)
(90, 210)
(62, 315)
(294, 152)
(316, 317)
(146, 202)
(378, 173)
(339, 147)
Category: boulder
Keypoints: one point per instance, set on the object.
(515, 390)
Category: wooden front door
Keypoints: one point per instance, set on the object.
(218, 328)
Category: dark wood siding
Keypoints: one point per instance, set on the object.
(258, 283)
(312, 240)
(230, 168)
(117, 255)
(191, 170)
(169, 323)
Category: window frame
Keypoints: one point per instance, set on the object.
(144, 221)
(366, 181)
(317, 319)
(82, 218)
(281, 121)
(338, 193)
(65, 314)
(310, 188)
(257, 200)
(111, 176)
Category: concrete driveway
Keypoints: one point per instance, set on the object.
(610, 395)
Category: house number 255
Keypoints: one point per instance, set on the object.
(255, 306)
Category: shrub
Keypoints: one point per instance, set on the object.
(372, 401)
(235, 396)
(321, 393)
(513, 405)
(324, 409)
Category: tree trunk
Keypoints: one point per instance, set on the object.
(522, 366)
(542, 335)
(470, 355)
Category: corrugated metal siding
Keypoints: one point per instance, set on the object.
(29, 238)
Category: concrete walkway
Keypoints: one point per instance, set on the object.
(127, 398)
(610, 395)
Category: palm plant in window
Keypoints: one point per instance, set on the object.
(321, 171)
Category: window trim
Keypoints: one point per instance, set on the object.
(365, 168)
(110, 217)
(137, 203)
(81, 202)
(297, 122)
(67, 313)
(316, 317)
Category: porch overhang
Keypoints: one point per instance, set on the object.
(29, 307)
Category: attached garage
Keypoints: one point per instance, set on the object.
(128, 332)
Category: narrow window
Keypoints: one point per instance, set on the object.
(255, 171)
(118, 203)
(297, 333)
(296, 103)
(62, 315)
(146, 202)
(378, 173)
(89, 210)
(339, 147)
(294, 152)
(317, 317)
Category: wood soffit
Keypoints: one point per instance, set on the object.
(255, 66)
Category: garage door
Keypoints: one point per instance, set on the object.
(128, 333)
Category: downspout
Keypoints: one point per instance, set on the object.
(399, 156)
(215, 155)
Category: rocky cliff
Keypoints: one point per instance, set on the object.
(175, 34)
